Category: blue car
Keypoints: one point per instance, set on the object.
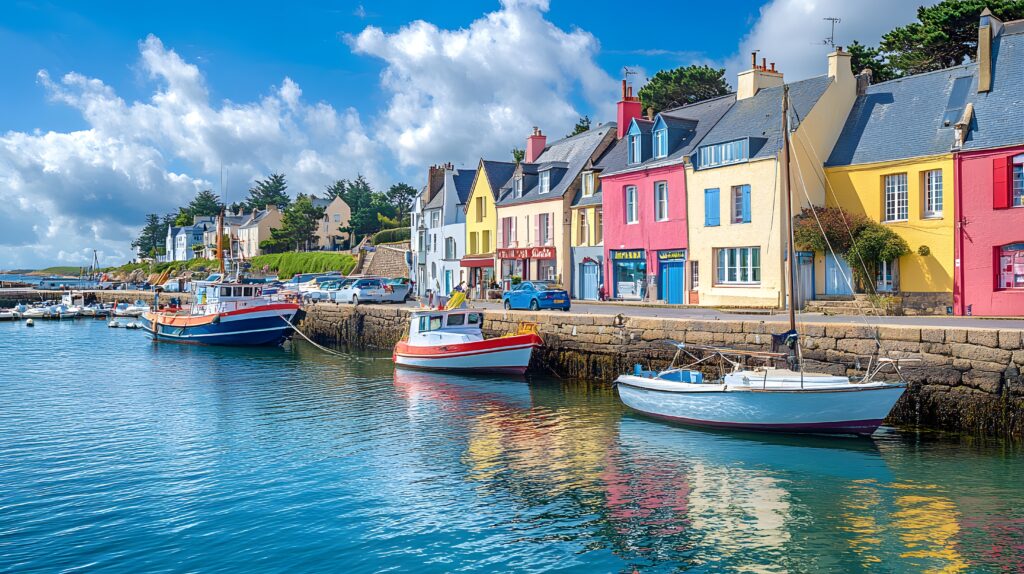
(535, 295)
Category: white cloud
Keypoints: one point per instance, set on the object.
(461, 94)
(63, 194)
(790, 32)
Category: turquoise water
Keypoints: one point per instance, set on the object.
(117, 455)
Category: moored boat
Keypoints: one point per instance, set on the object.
(453, 340)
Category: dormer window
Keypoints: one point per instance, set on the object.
(724, 153)
(635, 150)
(545, 181)
(517, 185)
(660, 143)
(588, 184)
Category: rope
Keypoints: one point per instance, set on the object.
(311, 341)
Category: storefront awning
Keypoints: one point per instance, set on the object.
(477, 262)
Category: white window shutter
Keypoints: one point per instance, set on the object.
(501, 234)
(536, 229)
(551, 229)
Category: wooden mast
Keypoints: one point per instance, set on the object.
(791, 249)
(220, 248)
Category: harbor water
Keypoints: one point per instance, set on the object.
(118, 455)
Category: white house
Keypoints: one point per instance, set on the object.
(418, 240)
(440, 229)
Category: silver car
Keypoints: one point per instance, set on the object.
(363, 291)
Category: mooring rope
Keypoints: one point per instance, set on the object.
(326, 349)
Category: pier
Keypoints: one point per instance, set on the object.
(967, 380)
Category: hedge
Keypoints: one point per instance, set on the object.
(392, 235)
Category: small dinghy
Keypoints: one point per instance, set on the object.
(452, 340)
(29, 323)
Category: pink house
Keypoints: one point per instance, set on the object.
(643, 182)
(989, 173)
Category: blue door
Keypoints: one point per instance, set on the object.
(588, 281)
(838, 276)
(671, 288)
(447, 282)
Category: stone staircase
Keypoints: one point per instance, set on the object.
(854, 305)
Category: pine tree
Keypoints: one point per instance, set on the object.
(270, 191)
(681, 86)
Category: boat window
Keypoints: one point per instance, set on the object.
(430, 323)
(456, 320)
(474, 319)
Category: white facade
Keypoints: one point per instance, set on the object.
(443, 242)
(418, 242)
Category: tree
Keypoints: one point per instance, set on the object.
(518, 154)
(401, 196)
(270, 191)
(581, 126)
(182, 218)
(840, 228)
(205, 204)
(151, 240)
(298, 227)
(874, 244)
(862, 57)
(681, 86)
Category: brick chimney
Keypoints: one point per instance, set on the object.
(535, 145)
(756, 78)
(863, 81)
(435, 181)
(988, 28)
(629, 107)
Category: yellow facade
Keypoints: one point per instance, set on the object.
(861, 188)
(481, 216)
(586, 226)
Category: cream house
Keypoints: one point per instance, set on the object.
(256, 228)
(336, 216)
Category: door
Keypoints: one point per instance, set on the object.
(838, 276)
(588, 281)
(804, 278)
(447, 282)
(671, 287)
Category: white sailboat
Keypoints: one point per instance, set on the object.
(765, 398)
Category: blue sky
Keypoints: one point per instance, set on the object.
(112, 110)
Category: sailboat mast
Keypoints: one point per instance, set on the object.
(791, 249)
(220, 248)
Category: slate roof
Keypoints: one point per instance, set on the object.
(321, 202)
(436, 202)
(464, 184)
(498, 172)
(693, 120)
(904, 118)
(573, 152)
(999, 113)
(581, 201)
(759, 116)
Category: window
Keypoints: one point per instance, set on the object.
(588, 183)
(711, 208)
(741, 204)
(485, 241)
(544, 229)
(474, 318)
(449, 248)
(738, 266)
(1011, 266)
(430, 323)
(473, 243)
(631, 207)
(508, 232)
(435, 218)
(724, 153)
(598, 226)
(635, 150)
(1018, 181)
(660, 143)
(895, 197)
(456, 320)
(933, 193)
(421, 243)
(433, 242)
(694, 275)
(661, 201)
(337, 218)
(584, 229)
(479, 209)
(517, 185)
(884, 282)
(545, 181)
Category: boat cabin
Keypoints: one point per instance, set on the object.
(441, 327)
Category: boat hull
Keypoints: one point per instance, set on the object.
(834, 411)
(250, 328)
(499, 355)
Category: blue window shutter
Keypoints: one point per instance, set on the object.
(746, 204)
(711, 207)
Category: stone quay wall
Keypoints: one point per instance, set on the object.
(967, 380)
(29, 296)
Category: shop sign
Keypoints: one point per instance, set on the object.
(672, 255)
(527, 253)
(628, 255)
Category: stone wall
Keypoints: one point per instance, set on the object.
(926, 303)
(29, 296)
(967, 380)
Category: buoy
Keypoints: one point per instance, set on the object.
(29, 323)
(113, 324)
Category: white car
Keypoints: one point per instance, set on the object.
(366, 290)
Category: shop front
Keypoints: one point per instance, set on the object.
(587, 280)
(629, 274)
(528, 263)
(480, 275)
(672, 276)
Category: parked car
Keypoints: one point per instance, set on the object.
(536, 295)
(325, 292)
(366, 290)
(400, 289)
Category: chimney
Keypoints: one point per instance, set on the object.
(863, 81)
(759, 76)
(629, 107)
(839, 68)
(988, 28)
(535, 145)
(435, 181)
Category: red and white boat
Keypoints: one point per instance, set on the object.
(452, 340)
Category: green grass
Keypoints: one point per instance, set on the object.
(291, 263)
(58, 270)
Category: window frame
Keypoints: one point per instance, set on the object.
(598, 226)
(929, 202)
(632, 205)
(740, 204)
(517, 186)
(636, 149)
(1009, 250)
(694, 275)
(732, 264)
(545, 181)
(724, 153)
(1017, 181)
(588, 184)
(898, 207)
(660, 200)
(660, 142)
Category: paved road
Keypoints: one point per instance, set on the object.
(713, 314)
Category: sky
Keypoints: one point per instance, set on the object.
(109, 112)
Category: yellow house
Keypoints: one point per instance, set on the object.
(586, 237)
(482, 222)
(735, 202)
(893, 164)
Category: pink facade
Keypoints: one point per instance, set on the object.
(989, 267)
(663, 242)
